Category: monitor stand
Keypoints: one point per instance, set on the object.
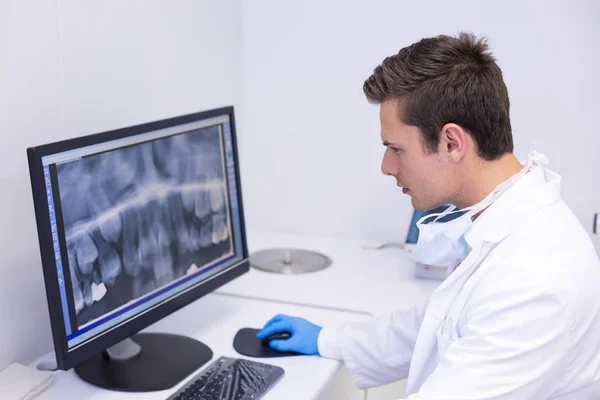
(145, 362)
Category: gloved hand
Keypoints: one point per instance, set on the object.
(304, 334)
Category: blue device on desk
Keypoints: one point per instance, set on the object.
(134, 224)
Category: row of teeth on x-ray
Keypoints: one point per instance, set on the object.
(144, 229)
(139, 238)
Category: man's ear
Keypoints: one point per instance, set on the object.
(453, 142)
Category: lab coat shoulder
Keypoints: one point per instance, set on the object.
(520, 335)
(533, 300)
(525, 325)
(550, 251)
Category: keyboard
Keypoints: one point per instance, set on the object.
(231, 379)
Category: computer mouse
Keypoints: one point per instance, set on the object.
(276, 336)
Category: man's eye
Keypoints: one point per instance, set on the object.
(397, 151)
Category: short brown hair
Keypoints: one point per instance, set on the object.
(444, 80)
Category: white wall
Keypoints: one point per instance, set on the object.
(312, 147)
(70, 68)
(310, 141)
(29, 85)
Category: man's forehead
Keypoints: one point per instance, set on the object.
(388, 108)
(389, 115)
(399, 136)
(393, 140)
(392, 132)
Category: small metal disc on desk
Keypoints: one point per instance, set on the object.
(289, 261)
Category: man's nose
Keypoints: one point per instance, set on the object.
(387, 165)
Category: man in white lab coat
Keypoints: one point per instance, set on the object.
(519, 315)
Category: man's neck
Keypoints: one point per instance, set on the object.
(484, 176)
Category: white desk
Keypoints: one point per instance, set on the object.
(359, 283)
(361, 280)
(369, 281)
(214, 320)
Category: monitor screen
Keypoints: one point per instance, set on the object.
(137, 218)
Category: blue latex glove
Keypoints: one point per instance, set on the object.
(304, 334)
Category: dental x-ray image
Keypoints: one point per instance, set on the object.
(140, 217)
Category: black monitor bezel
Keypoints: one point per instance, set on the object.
(68, 359)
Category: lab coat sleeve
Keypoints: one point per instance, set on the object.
(377, 351)
(513, 342)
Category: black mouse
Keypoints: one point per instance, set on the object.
(276, 336)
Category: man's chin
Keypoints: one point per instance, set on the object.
(416, 204)
(420, 206)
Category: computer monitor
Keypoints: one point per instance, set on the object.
(134, 224)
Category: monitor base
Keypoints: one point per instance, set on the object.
(163, 362)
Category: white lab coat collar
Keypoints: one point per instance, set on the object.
(539, 188)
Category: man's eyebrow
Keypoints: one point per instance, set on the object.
(388, 144)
